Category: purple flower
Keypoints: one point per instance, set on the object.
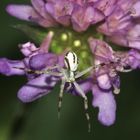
(116, 19)
(105, 76)
(65, 12)
(35, 59)
(122, 26)
(119, 18)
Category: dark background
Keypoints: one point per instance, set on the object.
(38, 120)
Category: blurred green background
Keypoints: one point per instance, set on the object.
(38, 120)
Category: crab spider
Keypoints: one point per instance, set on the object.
(68, 75)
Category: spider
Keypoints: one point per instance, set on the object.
(68, 75)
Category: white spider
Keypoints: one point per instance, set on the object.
(69, 75)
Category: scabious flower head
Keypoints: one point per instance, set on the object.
(86, 27)
(119, 18)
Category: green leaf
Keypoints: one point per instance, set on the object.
(36, 33)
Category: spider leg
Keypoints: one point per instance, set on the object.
(78, 88)
(52, 67)
(83, 72)
(69, 87)
(29, 70)
(128, 70)
(61, 96)
(40, 71)
(116, 89)
(52, 73)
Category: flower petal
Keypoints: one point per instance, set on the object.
(39, 6)
(104, 81)
(10, 67)
(24, 12)
(101, 50)
(37, 88)
(44, 47)
(28, 48)
(43, 60)
(134, 59)
(106, 6)
(28, 13)
(82, 17)
(60, 11)
(126, 40)
(107, 106)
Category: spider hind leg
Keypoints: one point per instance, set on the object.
(86, 113)
(78, 88)
(60, 97)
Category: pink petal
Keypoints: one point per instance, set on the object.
(23, 12)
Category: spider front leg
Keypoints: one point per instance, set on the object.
(47, 71)
(79, 74)
(61, 96)
(80, 91)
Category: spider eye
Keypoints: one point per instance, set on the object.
(71, 61)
